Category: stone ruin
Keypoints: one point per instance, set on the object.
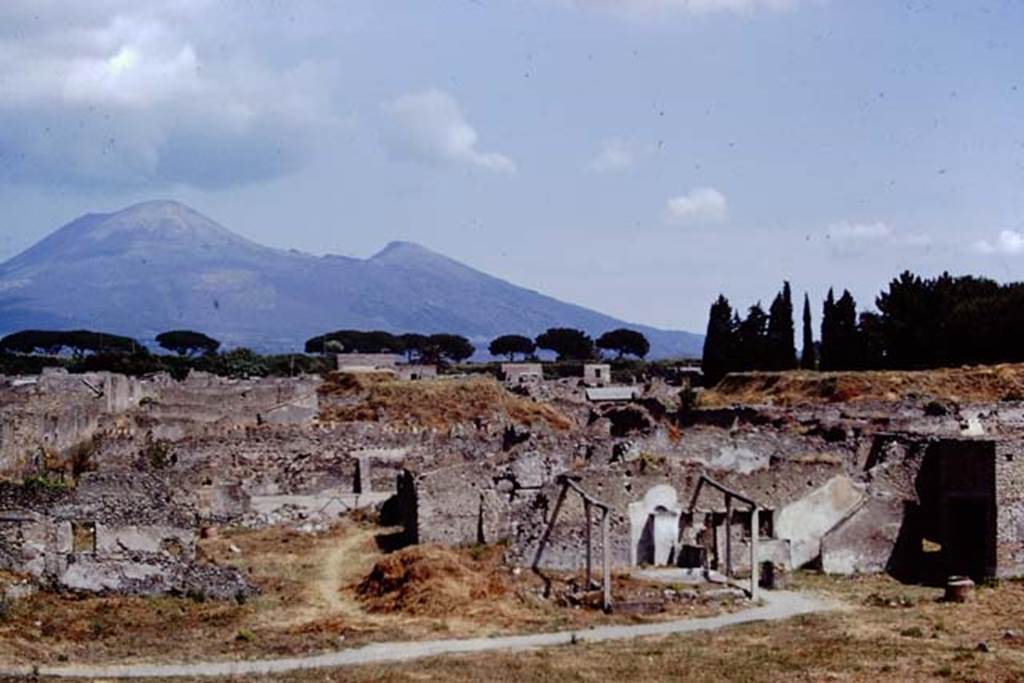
(597, 374)
(111, 533)
(111, 480)
(922, 499)
(388, 363)
(515, 374)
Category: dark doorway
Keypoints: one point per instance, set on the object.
(970, 544)
(950, 530)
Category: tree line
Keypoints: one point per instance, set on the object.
(29, 351)
(759, 341)
(566, 343)
(82, 342)
(918, 323)
(422, 348)
(571, 344)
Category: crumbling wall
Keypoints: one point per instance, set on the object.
(1009, 473)
(202, 397)
(116, 532)
(43, 417)
(806, 521)
(480, 502)
(623, 485)
(863, 543)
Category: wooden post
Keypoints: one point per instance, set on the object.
(606, 547)
(586, 508)
(754, 566)
(550, 526)
(728, 536)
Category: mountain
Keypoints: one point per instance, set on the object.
(161, 265)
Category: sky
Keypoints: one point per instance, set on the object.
(638, 157)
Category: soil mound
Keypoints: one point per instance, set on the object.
(441, 404)
(431, 581)
(965, 384)
(349, 383)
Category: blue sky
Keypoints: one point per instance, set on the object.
(635, 157)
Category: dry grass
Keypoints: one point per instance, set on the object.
(431, 581)
(438, 404)
(48, 628)
(890, 632)
(981, 383)
(315, 597)
(349, 383)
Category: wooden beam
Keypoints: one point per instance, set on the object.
(607, 551)
(586, 508)
(754, 566)
(704, 479)
(728, 536)
(567, 481)
(551, 523)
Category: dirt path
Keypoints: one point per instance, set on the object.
(339, 567)
(778, 605)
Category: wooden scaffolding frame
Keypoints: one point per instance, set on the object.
(730, 495)
(589, 502)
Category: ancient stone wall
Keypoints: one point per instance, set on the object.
(481, 502)
(1009, 463)
(42, 417)
(116, 532)
(207, 398)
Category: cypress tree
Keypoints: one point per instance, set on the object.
(781, 348)
(752, 338)
(827, 353)
(807, 359)
(719, 342)
(847, 342)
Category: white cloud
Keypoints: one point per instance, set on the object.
(430, 125)
(848, 239)
(618, 154)
(1008, 242)
(692, 6)
(699, 205)
(113, 92)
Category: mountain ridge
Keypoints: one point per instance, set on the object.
(160, 265)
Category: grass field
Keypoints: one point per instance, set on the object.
(315, 598)
(888, 632)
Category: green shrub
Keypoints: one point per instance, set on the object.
(158, 455)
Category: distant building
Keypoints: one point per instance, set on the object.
(367, 362)
(414, 372)
(597, 374)
(522, 373)
(384, 362)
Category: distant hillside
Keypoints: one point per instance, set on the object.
(161, 265)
